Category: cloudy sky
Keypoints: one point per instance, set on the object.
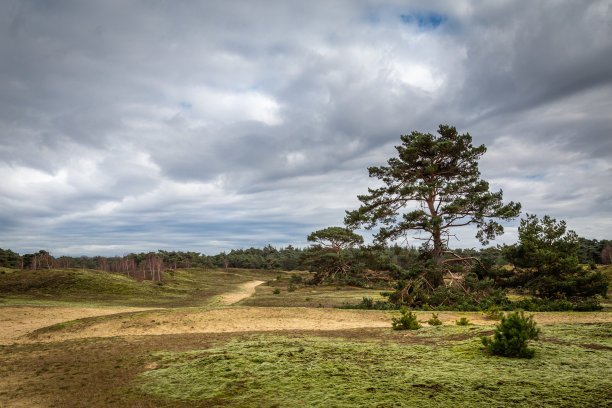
(210, 125)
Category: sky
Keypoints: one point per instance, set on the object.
(129, 126)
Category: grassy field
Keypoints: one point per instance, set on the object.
(285, 349)
(181, 288)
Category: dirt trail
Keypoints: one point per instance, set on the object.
(16, 321)
(247, 290)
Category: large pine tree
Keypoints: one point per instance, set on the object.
(433, 185)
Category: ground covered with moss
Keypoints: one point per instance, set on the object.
(436, 367)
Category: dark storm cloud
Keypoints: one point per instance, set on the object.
(220, 124)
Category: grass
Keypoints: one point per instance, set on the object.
(272, 370)
(307, 296)
(184, 287)
(432, 367)
(439, 366)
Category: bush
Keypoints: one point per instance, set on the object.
(291, 288)
(535, 304)
(367, 303)
(407, 321)
(511, 336)
(462, 322)
(434, 321)
(295, 279)
(494, 313)
(276, 291)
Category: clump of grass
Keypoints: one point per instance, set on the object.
(462, 322)
(434, 321)
(406, 321)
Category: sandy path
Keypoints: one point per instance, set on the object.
(247, 290)
(16, 321)
(273, 319)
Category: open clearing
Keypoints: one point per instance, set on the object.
(17, 321)
(29, 324)
(225, 338)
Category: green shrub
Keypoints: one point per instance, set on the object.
(295, 279)
(291, 288)
(462, 322)
(407, 321)
(494, 313)
(367, 303)
(276, 291)
(434, 321)
(511, 336)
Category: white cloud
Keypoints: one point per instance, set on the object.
(209, 125)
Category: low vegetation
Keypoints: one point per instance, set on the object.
(434, 366)
(183, 287)
(431, 371)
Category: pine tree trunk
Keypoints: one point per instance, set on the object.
(437, 278)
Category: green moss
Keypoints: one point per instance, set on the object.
(272, 370)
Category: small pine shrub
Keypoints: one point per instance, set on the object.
(494, 313)
(367, 303)
(295, 279)
(511, 336)
(462, 322)
(291, 288)
(407, 321)
(434, 321)
(276, 291)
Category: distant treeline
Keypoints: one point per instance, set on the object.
(150, 265)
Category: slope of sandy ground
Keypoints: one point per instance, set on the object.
(246, 290)
(270, 319)
(16, 321)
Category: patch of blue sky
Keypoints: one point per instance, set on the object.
(535, 176)
(424, 20)
(185, 105)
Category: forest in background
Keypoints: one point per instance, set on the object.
(142, 265)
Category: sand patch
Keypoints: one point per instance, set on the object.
(247, 319)
(17, 321)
